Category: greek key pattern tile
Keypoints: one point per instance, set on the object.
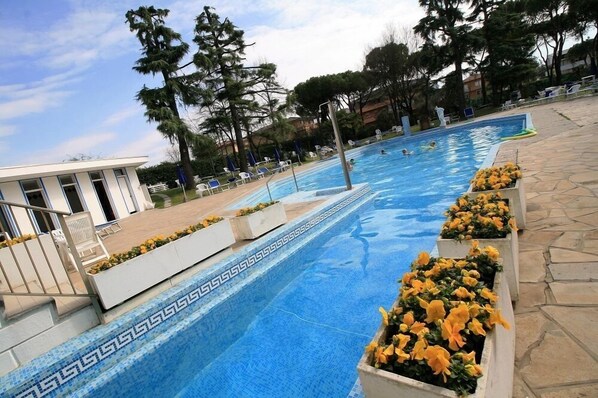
(114, 344)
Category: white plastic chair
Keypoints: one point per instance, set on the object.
(201, 188)
(86, 240)
(573, 89)
(244, 177)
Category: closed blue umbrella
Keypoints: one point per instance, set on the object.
(230, 164)
(276, 155)
(298, 150)
(251, 159)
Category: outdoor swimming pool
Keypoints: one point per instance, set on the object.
(300, 328)
(306, 334)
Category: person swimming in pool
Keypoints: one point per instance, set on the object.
(430, 146)
(406, 152)
(383, 152)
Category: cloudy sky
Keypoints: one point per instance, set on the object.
(67, 87)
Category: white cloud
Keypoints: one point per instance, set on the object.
(122, 115)
(151, 143)
(7, 130)
(87, 144)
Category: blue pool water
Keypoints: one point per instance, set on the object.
(300, 328)
(306, 339)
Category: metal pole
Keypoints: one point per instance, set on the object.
(339, 145)
(294, 178)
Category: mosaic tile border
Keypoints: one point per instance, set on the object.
(75, 367)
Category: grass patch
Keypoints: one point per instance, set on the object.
(175, 195)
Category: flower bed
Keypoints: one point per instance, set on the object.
(251, 223)
(507, 181)
(440, 339)
(128, 274)
(485, 218)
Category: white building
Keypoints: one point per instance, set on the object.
(109, 189)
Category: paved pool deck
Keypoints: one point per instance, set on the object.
(557, 314)
(556, 318)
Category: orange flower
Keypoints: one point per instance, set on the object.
(469, 281)
(418, 350)
(384, 315)
(371, 347)
(408, 318)
(491, 252)
(488, 295)
(459, 314)
(452, 332)
(402, 340)
(380, 356)
(423, 258)
(463, 293)
(419, 328)
(476, 327)
(438, 359)
(496, 318)
(434, 310)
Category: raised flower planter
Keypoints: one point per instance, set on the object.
(121, 282)
(508, 249)
(515, 198)
(256, 224)
(449, 334)
(497, 363)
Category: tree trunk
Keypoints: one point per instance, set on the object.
(459, 85)
(186, 161)
(238, 138)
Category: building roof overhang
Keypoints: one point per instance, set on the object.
(16, 173)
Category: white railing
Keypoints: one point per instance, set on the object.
(37, 263)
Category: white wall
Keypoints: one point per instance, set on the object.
(91, 199)
(55, 194)
(137, 190)
(12, 193)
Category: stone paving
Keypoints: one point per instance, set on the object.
(557, 315)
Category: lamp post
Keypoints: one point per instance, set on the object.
(339, 143)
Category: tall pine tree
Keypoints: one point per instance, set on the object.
(163, 51)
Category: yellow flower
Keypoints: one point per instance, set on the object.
(466, 358)
(513, 224)
(463, 293)
(496, 318)
(498, 223)
(434, 311)
(371, 347)
(380, 356)
(469, 281)
(474, 370)
(402, 356)
(452, 332)
(492, 252)
(438, 359)
(488, 294)
(476, 327)
(418, 350)
(384, 315)
(474, 310)
(423, 258)
(402, 340)
(475, 248)
(419, 328)
(408, 318)
(403, 327)
(459, 314)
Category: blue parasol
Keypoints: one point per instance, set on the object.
(297, 147)
(276, 155)
(251, 159)
(230, 164)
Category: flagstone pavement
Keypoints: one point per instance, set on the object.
(556, 317)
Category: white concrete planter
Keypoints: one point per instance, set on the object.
(508, 249)
(515, 197)
(260, 222)
(132, 277)
(28, 254)
(498, 360)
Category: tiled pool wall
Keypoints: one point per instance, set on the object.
(523, 118)
(82, 365)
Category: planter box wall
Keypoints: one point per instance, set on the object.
(498, 361)
(256, 224)
(516, 198)
(508, 249)
(132, 277)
